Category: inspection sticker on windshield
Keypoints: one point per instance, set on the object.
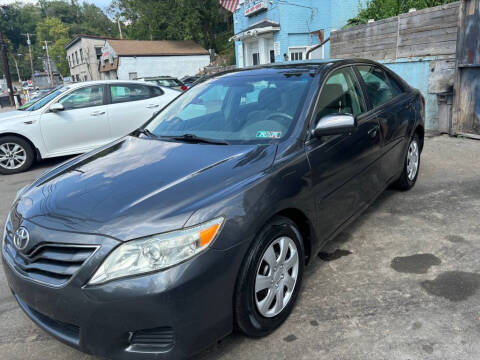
(269, 134)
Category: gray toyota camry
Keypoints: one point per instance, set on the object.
(202, 221)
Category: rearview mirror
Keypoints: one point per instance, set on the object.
(56, 107)
(335, 124)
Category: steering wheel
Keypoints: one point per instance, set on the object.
(285, 118)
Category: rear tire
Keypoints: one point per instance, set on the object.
(270, 278)
(16, 155)
(411, 165)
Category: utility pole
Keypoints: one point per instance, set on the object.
(49, 64)
(29, 43)
(18, 72)
(6, 68)
(119, 28)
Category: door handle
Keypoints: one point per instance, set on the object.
(152, 106)
(97, 113)
(373, 131)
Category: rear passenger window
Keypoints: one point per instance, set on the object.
(156, 91)
(377, 84)
(396, 87)
(129, 92)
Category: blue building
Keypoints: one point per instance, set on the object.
(268, 31)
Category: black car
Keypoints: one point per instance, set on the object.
(202, 221)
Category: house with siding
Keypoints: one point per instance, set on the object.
(268, 31)
(130, 59)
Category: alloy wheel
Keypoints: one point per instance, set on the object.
(276, 277)
(12, 156)
(412, 160)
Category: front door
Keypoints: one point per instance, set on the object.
(81, 126)
(344, 167)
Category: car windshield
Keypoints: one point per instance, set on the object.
(39, 103)
(236, 108)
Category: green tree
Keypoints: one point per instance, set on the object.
(18, 20)
(204, 22)
(78, 17)
(56, 33)
(382, 9)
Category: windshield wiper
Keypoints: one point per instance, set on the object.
(196, 139)
(146, 132)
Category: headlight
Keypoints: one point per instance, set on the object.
(157, 252)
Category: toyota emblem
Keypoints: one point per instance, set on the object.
(21, 238)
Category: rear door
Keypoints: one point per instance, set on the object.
(344, 167)
(395, 110)
(81, 126)
(131, 105)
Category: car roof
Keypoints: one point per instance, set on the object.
(101, 82)
(157, 77)
(303, 65)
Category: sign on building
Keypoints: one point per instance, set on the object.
(255, 6)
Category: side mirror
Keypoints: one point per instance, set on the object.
(335, 124)
(56, 107)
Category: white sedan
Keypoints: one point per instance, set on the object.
(76, 118)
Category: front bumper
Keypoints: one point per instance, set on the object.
(170, 314)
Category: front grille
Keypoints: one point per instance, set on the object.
(49, 263)
(158, 339)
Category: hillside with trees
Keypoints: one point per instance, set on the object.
(57, 21)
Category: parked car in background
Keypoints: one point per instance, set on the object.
(76, 118)
(202, 221)
(189, 80)
(165, 81)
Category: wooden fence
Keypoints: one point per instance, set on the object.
(427, 32)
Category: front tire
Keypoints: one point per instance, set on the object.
(270, 278)
(16, 155)
(411, 165)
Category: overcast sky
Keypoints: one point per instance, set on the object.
(102, 4)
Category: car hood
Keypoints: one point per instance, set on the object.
(138, 186)
(14, 114)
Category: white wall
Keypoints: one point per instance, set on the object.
(176, 66)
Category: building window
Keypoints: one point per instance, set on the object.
(76, 57)
(81, 55)
(272, 56)
(297, 53)
(256, 58)
(98, 53)
(69, 61)
(132, 76)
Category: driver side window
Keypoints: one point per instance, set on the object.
(84, 97)
(340, 95)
